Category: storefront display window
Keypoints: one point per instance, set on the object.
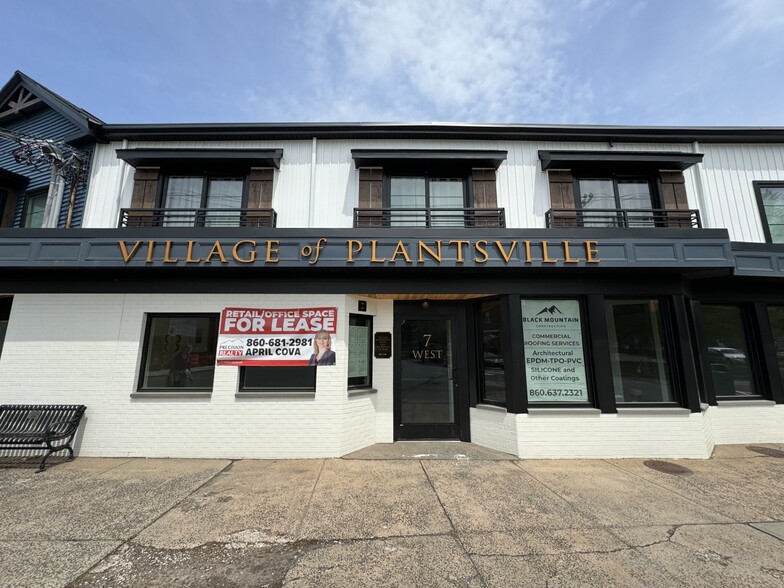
(492, 366)
(638, 352)
(728, 352)
(776, 315)
(179, 352)
(360, 345)
(554, 351)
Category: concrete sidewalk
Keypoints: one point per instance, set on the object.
(445, 516)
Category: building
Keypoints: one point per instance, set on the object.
(548, 291)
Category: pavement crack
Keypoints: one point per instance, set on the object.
(454, 533)
(306, 511)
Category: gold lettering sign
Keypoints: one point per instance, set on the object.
(435, 252)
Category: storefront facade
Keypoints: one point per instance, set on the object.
(550, 292)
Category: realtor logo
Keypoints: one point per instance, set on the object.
(550, 310)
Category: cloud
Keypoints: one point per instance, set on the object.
(747, 18)
(404, 60)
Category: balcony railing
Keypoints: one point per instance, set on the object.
(198, 217)
(429, 217)
(620, 217)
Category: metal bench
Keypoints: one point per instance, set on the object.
(40, 426)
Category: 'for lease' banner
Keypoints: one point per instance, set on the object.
(277, 336)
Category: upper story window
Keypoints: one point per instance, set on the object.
(35, 205)
(423, 188)
(201, 187)
(220, 199)
(612, 189)
(770, 200)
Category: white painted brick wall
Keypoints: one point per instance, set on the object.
(86, 349)
(741, 422)
(495, 428)
(591, 435)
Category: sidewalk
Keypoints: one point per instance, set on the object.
(397, 515)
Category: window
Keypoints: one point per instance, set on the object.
(278, 379)
(5, 315)
(728, 351)
(605, 188)
(776, 316)
(554, 351)
(35, 204)
(201, 187)
(360, 351)
(179, 352)
(185, 195)
(615, 193)
(427, 188)
(492, 379)
(408, 196)
(770, 200)
(639, 352)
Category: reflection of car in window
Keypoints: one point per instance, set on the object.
(726, 355)
(493, 360)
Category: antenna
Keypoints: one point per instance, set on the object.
(69, 163)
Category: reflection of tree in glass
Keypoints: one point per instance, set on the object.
(773, 201)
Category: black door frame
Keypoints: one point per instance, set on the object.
(462, 344)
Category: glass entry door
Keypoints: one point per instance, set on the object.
(428, 388)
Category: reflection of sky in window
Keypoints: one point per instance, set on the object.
(225, 193)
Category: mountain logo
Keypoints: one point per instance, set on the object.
(550, 310)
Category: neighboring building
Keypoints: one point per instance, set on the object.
(548, 291)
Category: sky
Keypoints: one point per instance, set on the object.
(604, 62)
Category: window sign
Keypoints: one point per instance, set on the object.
(360, 330)
(277, 336)
(554, 356)
(359, 351)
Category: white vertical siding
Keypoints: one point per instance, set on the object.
(728, 172)
(726, 175)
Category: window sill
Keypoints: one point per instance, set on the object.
(491, 407)
(558, 411)
(275, 394)
(744, 402)
(360, 391)
(172, 394)
(653, 410)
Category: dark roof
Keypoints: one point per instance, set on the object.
(467, 131)
(86, 122)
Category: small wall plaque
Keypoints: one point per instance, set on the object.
(362, 305)
(382, 345)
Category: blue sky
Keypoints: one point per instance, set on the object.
(628, 62)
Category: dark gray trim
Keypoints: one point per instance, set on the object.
(80, 117)
(441, 131)
(604, 391)
(235, 157)
(655, 160)
(467, 157)
(679, 250)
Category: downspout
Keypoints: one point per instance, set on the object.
(312, 194)
(120, 181)
(54, 200)
(700, 186)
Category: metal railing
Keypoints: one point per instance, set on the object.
(429, 217)
(620, 217)
(198, 217)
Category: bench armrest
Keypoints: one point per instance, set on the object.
(56, 430)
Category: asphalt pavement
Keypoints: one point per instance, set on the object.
(405, 514)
